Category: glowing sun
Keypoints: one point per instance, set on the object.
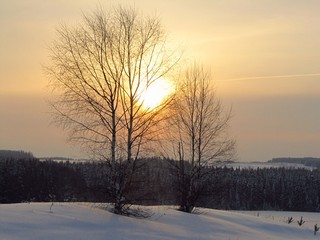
(155, 94)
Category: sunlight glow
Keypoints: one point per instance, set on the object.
(154, 95)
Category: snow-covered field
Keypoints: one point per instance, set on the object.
(255, 165)
(85, 221)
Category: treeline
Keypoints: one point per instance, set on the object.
(27, 180)
(155, 182)
(266, 189)
(11, 154)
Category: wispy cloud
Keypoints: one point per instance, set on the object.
(270, 77)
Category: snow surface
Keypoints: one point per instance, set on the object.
(261, 165)
(75, 221)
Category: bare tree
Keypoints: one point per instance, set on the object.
(200, 139)
(99, 70)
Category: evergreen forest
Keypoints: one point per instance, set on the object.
(155, 183)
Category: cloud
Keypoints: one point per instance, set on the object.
(272, 77)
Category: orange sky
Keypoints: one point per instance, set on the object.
(264, 55)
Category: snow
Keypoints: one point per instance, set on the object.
(256, 165)
(74, 221)
(310, 218)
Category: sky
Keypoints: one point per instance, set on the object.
(264, 57)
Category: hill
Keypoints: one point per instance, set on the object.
(38, 221)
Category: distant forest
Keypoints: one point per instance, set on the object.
(29, 179)
(11, 154)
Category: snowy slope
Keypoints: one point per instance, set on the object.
(35, 221)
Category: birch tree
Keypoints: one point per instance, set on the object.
(99, 70)
(200, 135)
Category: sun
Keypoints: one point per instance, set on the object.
(155, 94)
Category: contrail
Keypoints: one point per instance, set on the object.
(272, 76)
